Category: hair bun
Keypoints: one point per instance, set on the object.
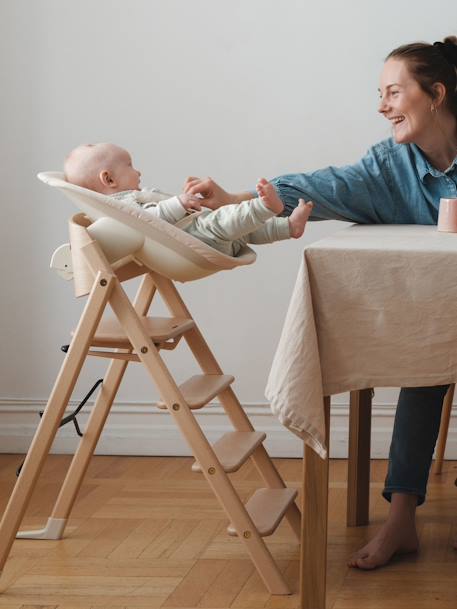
(448, 49)
(450, 40)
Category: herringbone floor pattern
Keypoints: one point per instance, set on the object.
(146, 532)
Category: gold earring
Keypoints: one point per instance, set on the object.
(433, 108)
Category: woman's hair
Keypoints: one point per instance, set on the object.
(432, 63)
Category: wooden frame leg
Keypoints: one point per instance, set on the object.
(81, 459)
(228, 399)
(53, 413)
(444, 429)
(358, 497)
(313, 554)
(57, 521)
(203, 451)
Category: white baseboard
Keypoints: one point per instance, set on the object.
(135, 428)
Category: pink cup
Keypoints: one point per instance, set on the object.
(447, 216)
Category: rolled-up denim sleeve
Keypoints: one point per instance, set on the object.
(354, 193)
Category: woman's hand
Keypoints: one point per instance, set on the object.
(213, 196)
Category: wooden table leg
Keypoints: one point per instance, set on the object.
(313, 551)
(444, 428)
(358, 497)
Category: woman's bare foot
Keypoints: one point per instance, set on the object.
(299, 217)
(397, 535)
(269, 196)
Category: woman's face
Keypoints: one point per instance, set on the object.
(405, 104)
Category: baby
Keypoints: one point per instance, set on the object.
(108, 169)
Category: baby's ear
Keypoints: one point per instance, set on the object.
(106, 178)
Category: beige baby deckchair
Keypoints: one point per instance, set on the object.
(110, 242)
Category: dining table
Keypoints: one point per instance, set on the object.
(372, 306)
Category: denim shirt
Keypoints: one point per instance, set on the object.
(392, 184)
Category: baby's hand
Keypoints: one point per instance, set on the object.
(190, 202)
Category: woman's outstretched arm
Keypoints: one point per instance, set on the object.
(361, 193)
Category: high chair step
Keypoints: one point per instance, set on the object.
(267, 507)
(160, 329)
(234, 448)
(202, 388)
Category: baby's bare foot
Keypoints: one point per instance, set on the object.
(269, 196)
(299, 217)
(392, 538)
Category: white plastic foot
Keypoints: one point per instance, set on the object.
(53, 530)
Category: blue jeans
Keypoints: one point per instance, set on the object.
(416, 427)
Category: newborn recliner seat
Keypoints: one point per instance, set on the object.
(110, 242)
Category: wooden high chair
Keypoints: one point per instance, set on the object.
(132, 336)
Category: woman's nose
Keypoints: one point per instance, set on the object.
(382, 106)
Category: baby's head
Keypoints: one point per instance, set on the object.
(105, 168)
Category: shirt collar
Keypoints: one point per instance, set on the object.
(424, 167)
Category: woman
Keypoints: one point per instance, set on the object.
(399, 181)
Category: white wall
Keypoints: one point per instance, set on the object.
(233, 89)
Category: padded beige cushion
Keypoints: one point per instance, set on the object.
(162, 247)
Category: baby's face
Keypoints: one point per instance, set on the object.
(125, 175)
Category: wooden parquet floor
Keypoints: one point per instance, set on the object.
(146, 532)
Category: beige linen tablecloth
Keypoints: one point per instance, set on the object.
(373, 306)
